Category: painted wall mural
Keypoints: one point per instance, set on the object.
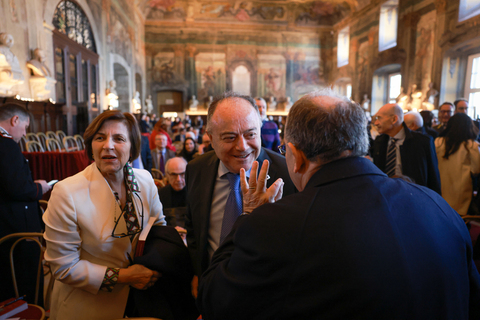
(320, 13)
(307, 74)
(163, 70)
(165, 10)
(120, 37)
(271, 75)
(210, 74)
(241, 11)
(424, 50)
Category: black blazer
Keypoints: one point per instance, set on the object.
(19, 212)
(170, 298)
(353, 244)
(146, 154)
(201, 176)
(418, 155)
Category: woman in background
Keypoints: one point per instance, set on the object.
(93, 221)
(458, 159)
(189, 150)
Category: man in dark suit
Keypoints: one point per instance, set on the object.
(174, 195)
(161, 153)
(414, 153)
(352, 244)
(19, 209)
(414, 121)
(233, 125)
(445, 112)
(145, 156)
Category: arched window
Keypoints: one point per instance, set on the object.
(241, 80)
(70, 20)
(76, 66)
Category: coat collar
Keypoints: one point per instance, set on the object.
(343, 169)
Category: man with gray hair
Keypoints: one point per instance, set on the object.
(269, 131)
(352, 244)
(399, 151)
(414, 121)
(19, 209)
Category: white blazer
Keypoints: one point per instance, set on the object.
(78, 227)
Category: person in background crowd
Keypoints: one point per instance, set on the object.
(189, 149)
(352, 244)
(93, 220)
(161, 127)
(19, 209)
(445, 112)
(206, 145)
(161, 154)
(198, 123)
(174, 194)
(270, 135)
(458, 159)
(399, 151)
(414, 121)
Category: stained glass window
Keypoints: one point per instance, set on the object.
(70, 20)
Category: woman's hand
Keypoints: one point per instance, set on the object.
(255, 192)
(138, 276)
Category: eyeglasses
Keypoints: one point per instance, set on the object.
(282, 149)
(129, 233)
(174, 174)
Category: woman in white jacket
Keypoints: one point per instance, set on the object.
(458, 158)
(93, 221)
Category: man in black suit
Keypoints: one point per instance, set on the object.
(174, 195)
(233, 125)
(19, 209)
(415, 154)
(161, 151)
(445, 112)
(414, 121)
(352, 244)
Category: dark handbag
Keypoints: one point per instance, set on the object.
(170, 297)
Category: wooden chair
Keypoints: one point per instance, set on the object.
(23, 144)
(34, 146)
(60, 135)
(157, 174)
(32, 137)
(159, 183)
(70, 144)
(34, 311)
(80, 142)
(43, 205)
(53, 145)
(51, 135)
(42, 138)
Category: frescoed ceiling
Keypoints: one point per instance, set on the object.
(302, 13)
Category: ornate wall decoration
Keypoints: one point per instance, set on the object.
(241, 11)
(321, 13)
(210, 74)
(163, 70)
(424, 50)
(165, 10)
(271, 75)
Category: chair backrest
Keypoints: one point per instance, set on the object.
(51, 135)
(43, 205)
(23, 144)
(42, 138)
(80, 142)
(61, 134)
(70, 144)
(159, 183)
(53, 145)
(32, 236)
(157, 174)
(32, 137)
(34, 146)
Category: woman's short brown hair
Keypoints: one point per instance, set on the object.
(114, 115)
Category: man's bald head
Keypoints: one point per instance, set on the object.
(389, 119)
(324, 125)
(413, 120)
